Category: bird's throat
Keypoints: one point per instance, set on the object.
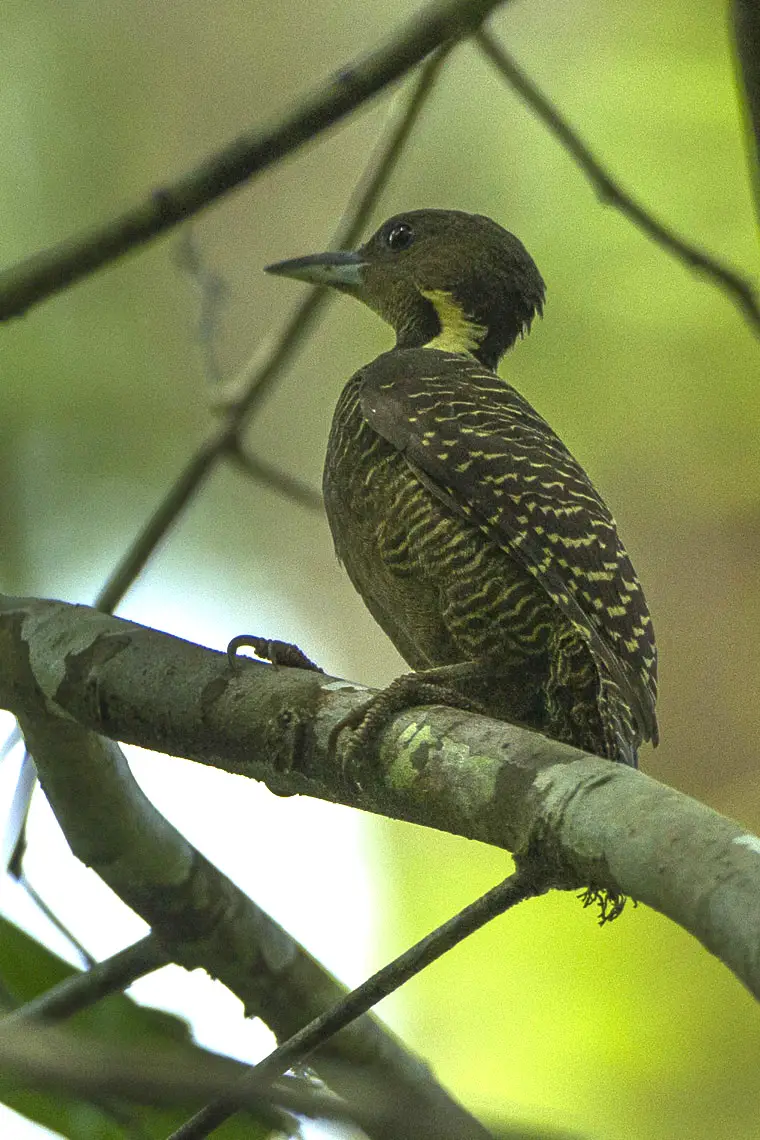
(458, 332)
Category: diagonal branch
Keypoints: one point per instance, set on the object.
(746, 27)
(288, 486)
(79, 991)
(741, 291)
(260, 374)
(517, 888)
(213, 293)
(65, 1061)
(52, 270)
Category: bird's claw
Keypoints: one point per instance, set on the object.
(279, 653)
(370, 719)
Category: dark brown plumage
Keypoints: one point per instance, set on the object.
(475, 538)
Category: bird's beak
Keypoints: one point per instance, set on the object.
(341, 270)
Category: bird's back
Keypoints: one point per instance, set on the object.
(472, 534)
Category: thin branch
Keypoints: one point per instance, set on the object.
(163, 518)
(52, 270)
(260, 374)
(13, 842)
(270, 476)
(213, 294)
(499, 899)
(53, 918)
(742, 291)
(746, 27)
(55, 1058)
(80, 991)
(11, 741)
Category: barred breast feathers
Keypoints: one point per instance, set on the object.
(481, 448)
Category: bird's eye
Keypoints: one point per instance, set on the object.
(399, 237)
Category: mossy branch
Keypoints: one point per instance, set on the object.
(577, 820)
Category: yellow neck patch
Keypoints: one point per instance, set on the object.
(458, 333)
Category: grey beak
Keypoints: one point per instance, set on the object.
(341, 270)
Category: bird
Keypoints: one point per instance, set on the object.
(476, 540)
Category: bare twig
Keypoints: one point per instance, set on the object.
(746, 23)
(213, 294)
(513, 890)
(79, 991)
(287, 485)
(13, 840)
(259, 376)
(741, 291)
(52, 270)
(55, 1058)
(53, 918)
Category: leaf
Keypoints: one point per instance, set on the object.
(28, 969)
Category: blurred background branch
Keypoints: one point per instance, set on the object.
(746, 22)
(741, 291)
(80, 991)
(65, 1061)
(52, 270)
(266, 366)
(515, 889)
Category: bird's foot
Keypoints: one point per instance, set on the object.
(368, 720)
(279, 653)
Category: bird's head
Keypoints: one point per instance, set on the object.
(442, 279)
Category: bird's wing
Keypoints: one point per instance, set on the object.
(481, 448)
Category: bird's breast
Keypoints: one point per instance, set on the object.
(439, 587)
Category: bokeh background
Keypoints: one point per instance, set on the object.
(648, 373)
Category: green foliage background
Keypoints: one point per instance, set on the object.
(28, 969)
(648, 373)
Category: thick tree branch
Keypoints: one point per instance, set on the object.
(54, 269)
(55, 1058)
(583, 821)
